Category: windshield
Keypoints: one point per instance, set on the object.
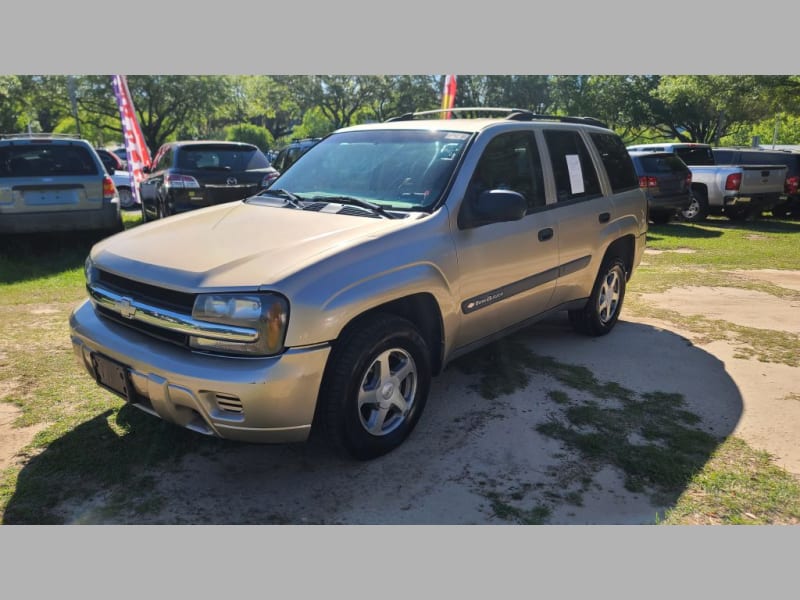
(397, 168)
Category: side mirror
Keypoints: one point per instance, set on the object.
(146, 170)
(492, 206)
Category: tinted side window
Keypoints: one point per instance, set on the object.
(572, 166)
(165, 162)
(762, 158)
(723, 157)
(511, 162)
(616, 160)
(696, 156)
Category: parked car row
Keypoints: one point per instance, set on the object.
(732, 181)
(680, 180)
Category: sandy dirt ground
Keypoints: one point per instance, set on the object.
(467, 450)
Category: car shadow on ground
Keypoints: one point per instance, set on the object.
(24, 257)
(545, 427)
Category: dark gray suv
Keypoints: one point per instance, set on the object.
(54, 183)
(666, 181)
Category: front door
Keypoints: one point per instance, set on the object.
(508, 271)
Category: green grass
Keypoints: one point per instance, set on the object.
(738, 485)
(719, 249)
(721, 245)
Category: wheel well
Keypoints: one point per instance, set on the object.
(624, 247)
(423, 311)
(700, 187)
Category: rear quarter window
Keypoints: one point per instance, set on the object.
(572, 165)
(617, 162)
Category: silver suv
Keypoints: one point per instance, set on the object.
(54, 183)
(385, 252)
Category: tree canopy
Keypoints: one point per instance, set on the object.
(701, 108)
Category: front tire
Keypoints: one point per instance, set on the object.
(602, 309)
(375, 386)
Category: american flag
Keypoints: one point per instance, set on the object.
(135, 149)
(449, 94)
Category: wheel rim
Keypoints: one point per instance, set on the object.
(692, 210)
(608, 300)
(125, 198)
(387, 392)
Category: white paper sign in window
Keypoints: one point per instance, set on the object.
(575, 173)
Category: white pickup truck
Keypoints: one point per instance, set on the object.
(736, 191)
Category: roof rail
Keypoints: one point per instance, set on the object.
(70, 136)
(512, 114)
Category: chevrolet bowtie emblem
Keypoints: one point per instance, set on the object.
(125, 307)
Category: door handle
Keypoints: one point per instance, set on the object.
(545, 234)
(604, 217)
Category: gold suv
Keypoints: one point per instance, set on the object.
(332, 298)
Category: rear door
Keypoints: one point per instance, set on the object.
(585, 217)
(49, 176)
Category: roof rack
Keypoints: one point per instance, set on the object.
(512, 114)
(69, 136)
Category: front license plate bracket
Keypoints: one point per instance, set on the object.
(111, 375)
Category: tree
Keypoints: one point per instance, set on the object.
(250, 134)
(705, 108)
(167, 106)
(340, 97)
(9, 103)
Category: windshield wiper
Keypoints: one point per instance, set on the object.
(285, 194)
(356, 202)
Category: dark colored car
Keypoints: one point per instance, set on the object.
(193, 174)
(666, 181)
(289, 154)
(790, 202)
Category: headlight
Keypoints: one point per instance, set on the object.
(89, 271)
(266, 313)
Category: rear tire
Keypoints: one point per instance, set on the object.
(602, 309)
(375, 386)
(782, 211)
(125, 197)
(697, 209)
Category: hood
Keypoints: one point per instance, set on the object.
(233, 245)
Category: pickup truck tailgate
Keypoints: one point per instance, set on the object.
(762, 179)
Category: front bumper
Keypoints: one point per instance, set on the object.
(265, 400)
